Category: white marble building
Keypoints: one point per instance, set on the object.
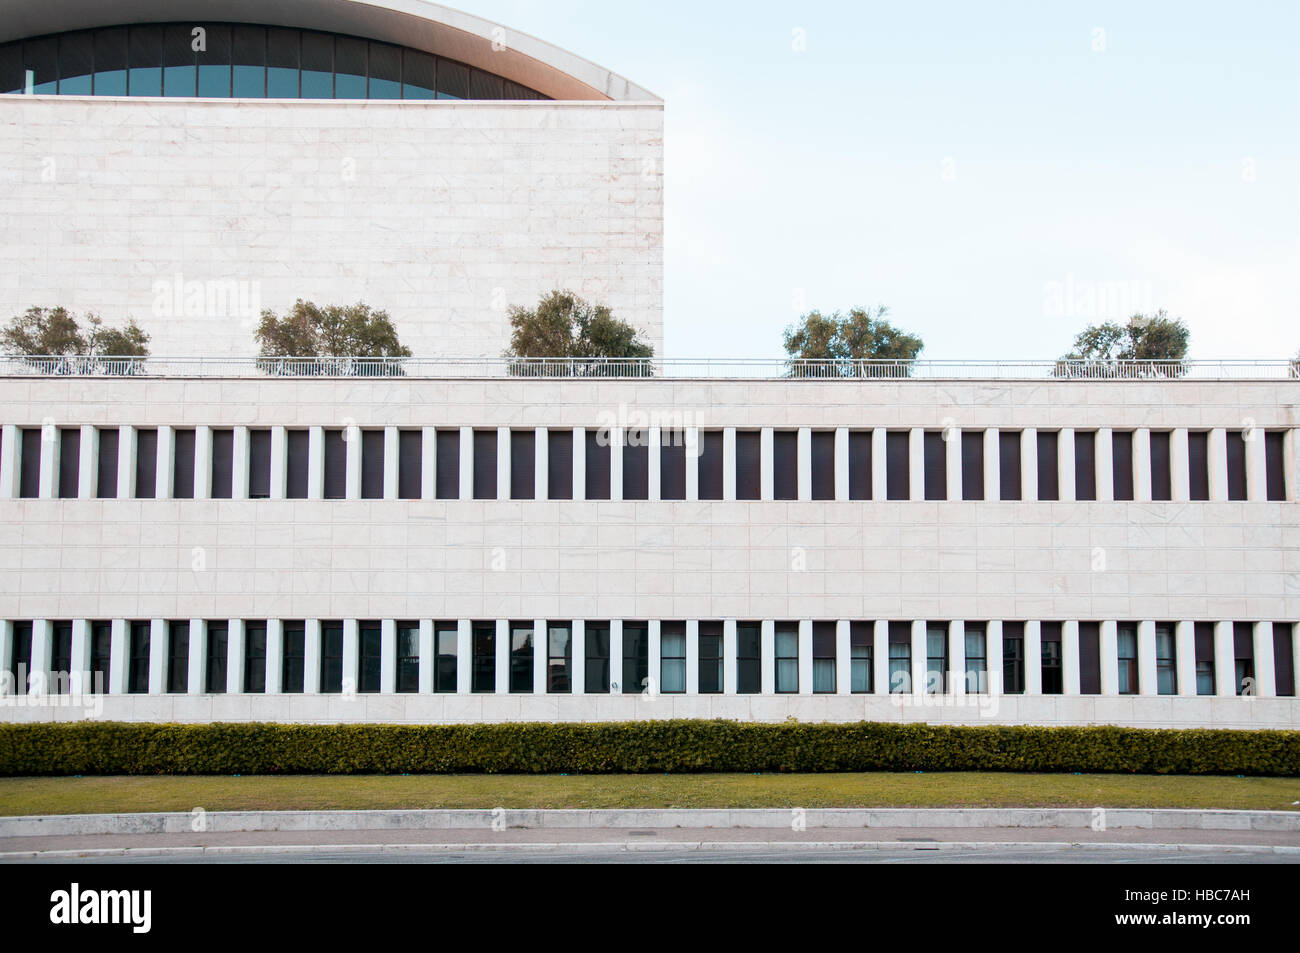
(199, 541)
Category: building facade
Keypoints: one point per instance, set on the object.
(192, 539)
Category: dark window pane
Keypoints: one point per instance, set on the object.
(785, 465)
(1085, 465)
(336, 465)
(1009, 465)
(40, 58)
(749, 663)
(445, 652)
(1089, 658)
(749, 478)
(636, 657)
(331, 658)
(249, 79)
(1283, 659)
(255, 657)
(1161, 479)
(823, 465)
(523, 464)
(559, 464)
(636, 465)
(223, 456)
(20, 656)
(1048, 469)
(317, 66)
(1236, 465)
(897, 465)
(1198, 464)
(372, 464)
(522, 645)
(259, 464)
(69, 462)
(385, 71)
(408, 657)
(710, 465)
(710, 655)
(183, 464)
(215, 62)
(972, 465)
(110, 62)
(217, 655)
(349, 68)
(29, 479)
(485, 464)
(936, 465)
(146, 464)
(297, 457)
(1121, 461)
(484, 85)
(138, 669)
(410, 464)
(860, 465)
(597, 658)
(293, 668)
(13, 74)
(1275, 465)
(75, 57)
(370, 657)
(178, 657)
(483, 678)
(180, 72)
(418, 76)
(453, 80)
(597, 465)
(106, 467)
(672, 465)
(282, 49)
(448, 476)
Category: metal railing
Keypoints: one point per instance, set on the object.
(640, 368)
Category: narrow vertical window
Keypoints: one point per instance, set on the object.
(370, 657)
(248, 72)
(1161, 478)
(972, 464)
(1284, 660)
(1236, 465)
(823, 464)
(672, 658)
(138, 671)
(559, 464)
(1243, 649)
(672, 465)
(1085, 465)
(1050, 649)
(1275, 465)
(106, 464)
(977, 662)
(60, 658)
(29, 473)
(448, 464)
(936, 657)
(1048, 472)
(823, 658)
(523, 464)
(145, 61)
(282, 63)
(69, 462)
(636, 465)
(521, 657)
(597, 465)
(1198, 464)
(372, 464)
(178, 657)
(1121, 464)
(446, 653)
(749, 482)
(410, 464)
(859, 464)
(1126, 643)
(255, 657)
(331, 657)
(317, 65)
(146, 464)
(1090, 658)
(218, 645)
(1204, 639)
(636, 657)
(1013, 658)
(749, 658)
(1166, 659)
(785, 465)
(20, 657)
(215, 62)
(110, 62)
(936, 465)
(293, 671)
(297, 452)
(259, 464)
(898, 465)
(183, 464)
(485, 464)
(786, 639)
(900, 658)
(710, 652)
(335, 465)
(861, 647)
(597, 658)
(559, 658)
(710, 465)
(223, 461)
(483, 643)
(180, 69)
(1009, 465)
(101, 651)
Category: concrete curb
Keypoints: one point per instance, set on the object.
(618, 847)
(223, 822)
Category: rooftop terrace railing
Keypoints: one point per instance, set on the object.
(419, 368)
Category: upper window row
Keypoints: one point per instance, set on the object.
(245, 62)
(524, 465)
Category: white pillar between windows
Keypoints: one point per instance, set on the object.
(502, 657)
(1070, 680)
(165, 472)
(202, 462)
(578, 674)
(125, 462)
(1217, 450)
(692, 657)
(655, 659)
(392, 462)
(39, 669)
(616, 686)
(387, 656)
(879, 464)
(993, 652)
(766, 656)
(916, 464)
(1029, 464)
(1180, 477)
(843, 658)
(240, 464)
(467, 463)
(504, 488)
(311, 656)
(1185, 656)
(428, 463)
(235, 657)
(1105, 465)
(541, 644)
(1142, 465)
(352, 479)
(316, 463)
(351, 645)
(957, 658)
(693, 450)
(1256, 473)
(803, 439)
(805, 657)
(654, 455)
(427, 661)
(117, 652)
(1225, 665)
(579, 463)
(9, 438)
(1147, 681)
(728, 463)
(1069, 493)
(157, 656)
(79, 678)
(617, 441)
(1262, 649)
(464, 657)
(89, 450)
(194, 680)
(1109, 649)
(880, 657)
(1033, 658)
(920, 657)
(952, 462)
(279, 463)
(48, 468)
(274, 656)
(541, 463)
(729, 654)
(841, 463)
(766, 467)
(992, 464)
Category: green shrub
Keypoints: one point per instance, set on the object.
(633, 748)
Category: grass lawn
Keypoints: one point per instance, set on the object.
(94, 795)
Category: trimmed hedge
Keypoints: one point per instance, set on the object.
(632, 748)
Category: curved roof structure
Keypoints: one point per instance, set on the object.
(418, 24)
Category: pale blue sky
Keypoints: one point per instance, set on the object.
(979, 168)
